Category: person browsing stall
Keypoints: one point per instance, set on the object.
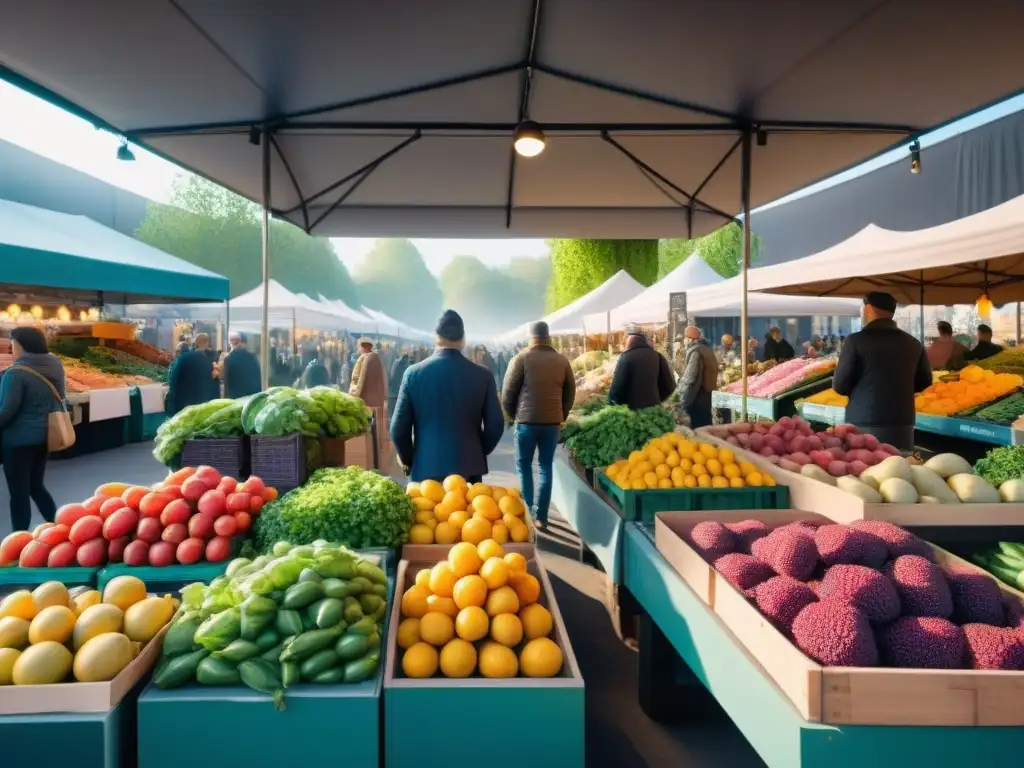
(985, 346)
(699, 379)
(642, 376)
(945, 350)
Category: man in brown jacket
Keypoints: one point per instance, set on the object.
(368, 380)
(699, 379)
(538, 393)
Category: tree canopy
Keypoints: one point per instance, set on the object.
(722, 250)
(394, 279)
(214, 228)
(580, 266)
(492, 300)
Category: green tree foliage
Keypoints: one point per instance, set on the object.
(218, 230)
(580, 266)
(394, 279)
(494, 300)
(722, 250)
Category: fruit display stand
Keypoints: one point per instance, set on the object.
(684, 626)
(548, 714)
(772, 408)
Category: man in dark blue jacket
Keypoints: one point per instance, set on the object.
(447, 419)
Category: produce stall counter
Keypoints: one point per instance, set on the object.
(82, 740)
(762, 712)
(769, 407)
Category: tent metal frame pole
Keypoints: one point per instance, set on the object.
(745, 260)
(226, 343)
(265, 147)
(1018, 323)
(922, 306)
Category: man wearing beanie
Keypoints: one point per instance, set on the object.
(880, 369)
(537, 394)
(447, 419)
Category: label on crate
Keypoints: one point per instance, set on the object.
(996, 434)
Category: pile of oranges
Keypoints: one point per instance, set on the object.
(674, 461)
(976, 386)
(455, 511)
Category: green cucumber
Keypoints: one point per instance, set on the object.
(288, 622)
(362, 669)
(351, 647)
(319, 662)
(263, 676)
(290, 673)
(308, 643)
(180, 638)
(238, 650)
(215, 671)
(327, 612)
(302, 594)
(180, 669)
(267, 639)
(332, 676)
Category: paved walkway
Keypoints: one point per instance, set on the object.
(619, 734)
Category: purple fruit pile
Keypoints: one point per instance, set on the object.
(866, 594)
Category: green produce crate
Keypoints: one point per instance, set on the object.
(141, 427)
(12, 578)
(641, 506)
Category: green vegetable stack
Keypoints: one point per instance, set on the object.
(1001, 464)
(613, 432)
(316, 412)
(309, 614)
(359, 508)
(1006, 563)
(1004, 411)
(217, 418)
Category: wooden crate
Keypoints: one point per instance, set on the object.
(842, 695)
(839, 506)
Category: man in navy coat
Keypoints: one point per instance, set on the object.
(447, 419)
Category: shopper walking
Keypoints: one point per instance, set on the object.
(945, 350)
(30, 390)
(188, 380)
(447, 419)
(202, 344)
(368, 381)
(537, 394)
(699, 379)
(241, 369)
(880, 369)
(642, 376)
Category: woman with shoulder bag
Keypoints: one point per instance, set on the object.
(33, 421)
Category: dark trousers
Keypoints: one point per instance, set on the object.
(699, 410)
(541, 439)
(24, 467)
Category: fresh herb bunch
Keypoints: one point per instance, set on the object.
(613, 432)
(351, 506)
(1001, 464)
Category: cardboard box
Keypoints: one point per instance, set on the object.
(80, 697)
(842, 695)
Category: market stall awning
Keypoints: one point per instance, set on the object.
(352, 320)
(392, 327)
(617, 289)
(284, 310)
(953, 263)
(723, 300)
(396, 118)
(651, 306)
(46, 249)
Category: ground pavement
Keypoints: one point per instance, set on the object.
(619, 734)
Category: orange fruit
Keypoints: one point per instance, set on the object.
(455, 483)
(472, 623)
(526, 586)
(486, 506)
(454, 500)
(516, 563)
(442, 579)
(464, 559)
(495, 572)
(489, 548)
(433, 490)
(476, 530)
(469, 590)
(511, 505)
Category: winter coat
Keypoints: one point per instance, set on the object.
(642, 378)
(982, 350)
(26, 402)
(780, 350)
(700, 373)
(188, 381)
(398, 369)
(539, 387)
(368, 380)
(241, 374)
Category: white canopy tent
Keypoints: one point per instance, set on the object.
(284, 309)
(724, 299)
(618, 288)
(651, 306)
(352, 320)
(952, 263)
(392, 327)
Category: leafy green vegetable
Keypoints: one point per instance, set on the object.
(353, 506)
(613, 432)
(216, 418)
(1001, 464)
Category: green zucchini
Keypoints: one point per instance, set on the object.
(288, 622)
(352, 646)
(338, 588)
(267, 639)
(238, 650)
(327, 612)
(263, 676)
(332, 676)
(319, 662)
(302, 594)
(215, 671)
(362, 669)
(180, 669)
(290, 673)
(308, 574)
(308, 643)
(180, 638)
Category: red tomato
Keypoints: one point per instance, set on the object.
(227, 485)
(175, 533)
(69, 514)
(193, 489)
(218, 548)
(153, 504)
(200, 526)
(162, 553)
(256, 504)
(137, 553)
(40, 528)
(115, 552)
(225, 525)
(62, 556)
(11, 546)
(88, 528)
(190, 551)
(34, 555)
(238, 502)
(174, 491)
(269, 494)
(178, 511)
(148, 530)
(209, 476)
(179, 477)
(243, 520)
(252, 485)
(121, 523)
(54, 535)
(94, 503)
(134, 495)
(213, 503)
(110, 506)
(92, 554)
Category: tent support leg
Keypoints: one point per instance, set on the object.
(922, 306)
(1018, 323)
(265, 253)
(745, 260)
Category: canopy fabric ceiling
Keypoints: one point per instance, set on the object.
(651, 306)
(723, 300)
(39, 247)
(413, 104)
(955, 262)
(618, 288)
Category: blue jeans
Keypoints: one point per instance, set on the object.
(542, 440)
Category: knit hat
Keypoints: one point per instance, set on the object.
(450, 326)
(540, 330)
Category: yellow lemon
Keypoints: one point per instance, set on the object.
(502, 600)
(8, 658)
(699, 459)
(686, 465)
(85, 600)
(55, 622)
(690, 481)
(457, 519)
(526, 586)
(664, 483)
(663, 471)
(635, 457)
(519, 532)
(677, 476)
(458, 658)
(423, 504)
(436, 604)
(19, 604)
(442, 512)
(414, 601)
(537, 621)
(423, 577)
(464, 559)
(446, 533)
(476, 530)
(704, 481)
(651, 480)
(470, 590)
(420, 661)
(433, 490)
(498, 494)
(719, 482)
(516, 562)
(686, 449)
(768, 480)
(731, 471)
(455, 483)
(472, 623)
(507, 629)
(736, 482)
(13, 632)
(672, 459)
(497, 661)
(540, 657)
(499, 532)
(699, 470)
(431, 523)
(746, 467)
(709, 450)
(437, 628)
(714, 466)
(510, 505)
(514, 492)
(54, 593)
(408, 633)
(442, 579)
(754, 479)
(485, 506)
(421, 534)
(424, 516)
(478, 489)
(655, 456)
(726, 456)
(644, 467)
(413, 490)
(489, 548)
(495, 571)
(454, 500)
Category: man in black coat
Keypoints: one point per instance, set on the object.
(880, 369)
(189, 381)
(241, 369)
(985, 347)
(642, 375)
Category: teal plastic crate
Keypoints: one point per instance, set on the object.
(13, 577)
(169, 578)
(641, 506)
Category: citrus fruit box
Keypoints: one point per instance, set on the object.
(434, 553)
(841, 695)
(81, 697)
(439, 722)
(839, 506)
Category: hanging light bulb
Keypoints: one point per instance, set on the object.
(63, 314)
(36, 312)
(13, 310)
(983, 306)
(83, 315)
(94, 314)
(528, 139)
